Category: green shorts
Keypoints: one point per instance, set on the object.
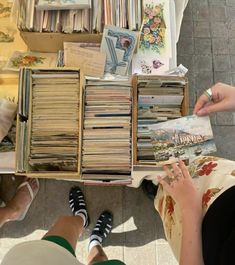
(65, 244)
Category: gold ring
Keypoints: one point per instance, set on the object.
(208, 94)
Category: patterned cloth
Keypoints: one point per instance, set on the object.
(212, 176)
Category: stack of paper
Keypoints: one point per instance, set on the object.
(77, 15)
(63, 4)
(106, 147)
(49, 114)
(158, 100)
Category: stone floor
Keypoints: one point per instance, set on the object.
(207, 48)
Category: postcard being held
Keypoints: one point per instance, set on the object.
(184, 138)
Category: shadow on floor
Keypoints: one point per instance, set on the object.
(136, 222)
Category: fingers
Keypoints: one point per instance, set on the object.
(201, 102)
(220, 106)
(168, 172)
(164, 184)
(184, 169)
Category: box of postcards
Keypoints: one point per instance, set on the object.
(74, 128)
(155, 99)
(47, 142)
(106, 129)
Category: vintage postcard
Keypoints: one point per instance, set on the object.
(149, 65)
(31, 59)
(156, 30)
(91, 61)
(119, 45)
(63, 4)
(184, 138)
(154, 49)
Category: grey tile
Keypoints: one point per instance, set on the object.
(185, 46)
(202, 63)
(230, 2)
(187, 61)
(196, 3)
(230, 13)
(231, 28)
(188, 14)
(224, 118)
(217, 13)
(221, 62)
(232, 59)
(187, 29)
(219, 29)
(220, 46)
(202, 46)
(201, 12)
(217, 2)
(203, 80)
(233, 79)
(223, 77)
(201, 29)
(136, 227)
(225, 139)
(232, 46)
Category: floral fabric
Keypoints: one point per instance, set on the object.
(212, 176)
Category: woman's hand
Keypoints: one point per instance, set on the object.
(183, 191)
(223, 99)
(181, 188)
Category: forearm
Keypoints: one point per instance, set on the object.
(191, 246)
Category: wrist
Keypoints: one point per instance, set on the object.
(193, 213)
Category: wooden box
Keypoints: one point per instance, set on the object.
(184, 107)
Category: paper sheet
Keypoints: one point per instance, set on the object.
(92, 62)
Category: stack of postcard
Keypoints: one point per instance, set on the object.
(48, 120)
(106, 146)
(77, 15)
(159, 100)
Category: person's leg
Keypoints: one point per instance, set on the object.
(101, 230)
(71, 227)
(18, 204)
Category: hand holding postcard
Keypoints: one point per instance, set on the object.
(184, 138)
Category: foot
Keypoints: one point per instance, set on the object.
(101, 230)
(78, 205)
(22, 199)
(149, 189)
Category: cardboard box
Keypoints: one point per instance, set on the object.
(184, 106)
(53, 42)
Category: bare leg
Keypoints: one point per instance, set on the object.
(15, 207)
(96, 255)
(68, 227)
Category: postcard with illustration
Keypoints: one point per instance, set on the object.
(154, 49)
(184, 138)
(119, 45)
(31, 59)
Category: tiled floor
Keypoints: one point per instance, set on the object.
(207, 48)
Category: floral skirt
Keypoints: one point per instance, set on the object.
(212, 176)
